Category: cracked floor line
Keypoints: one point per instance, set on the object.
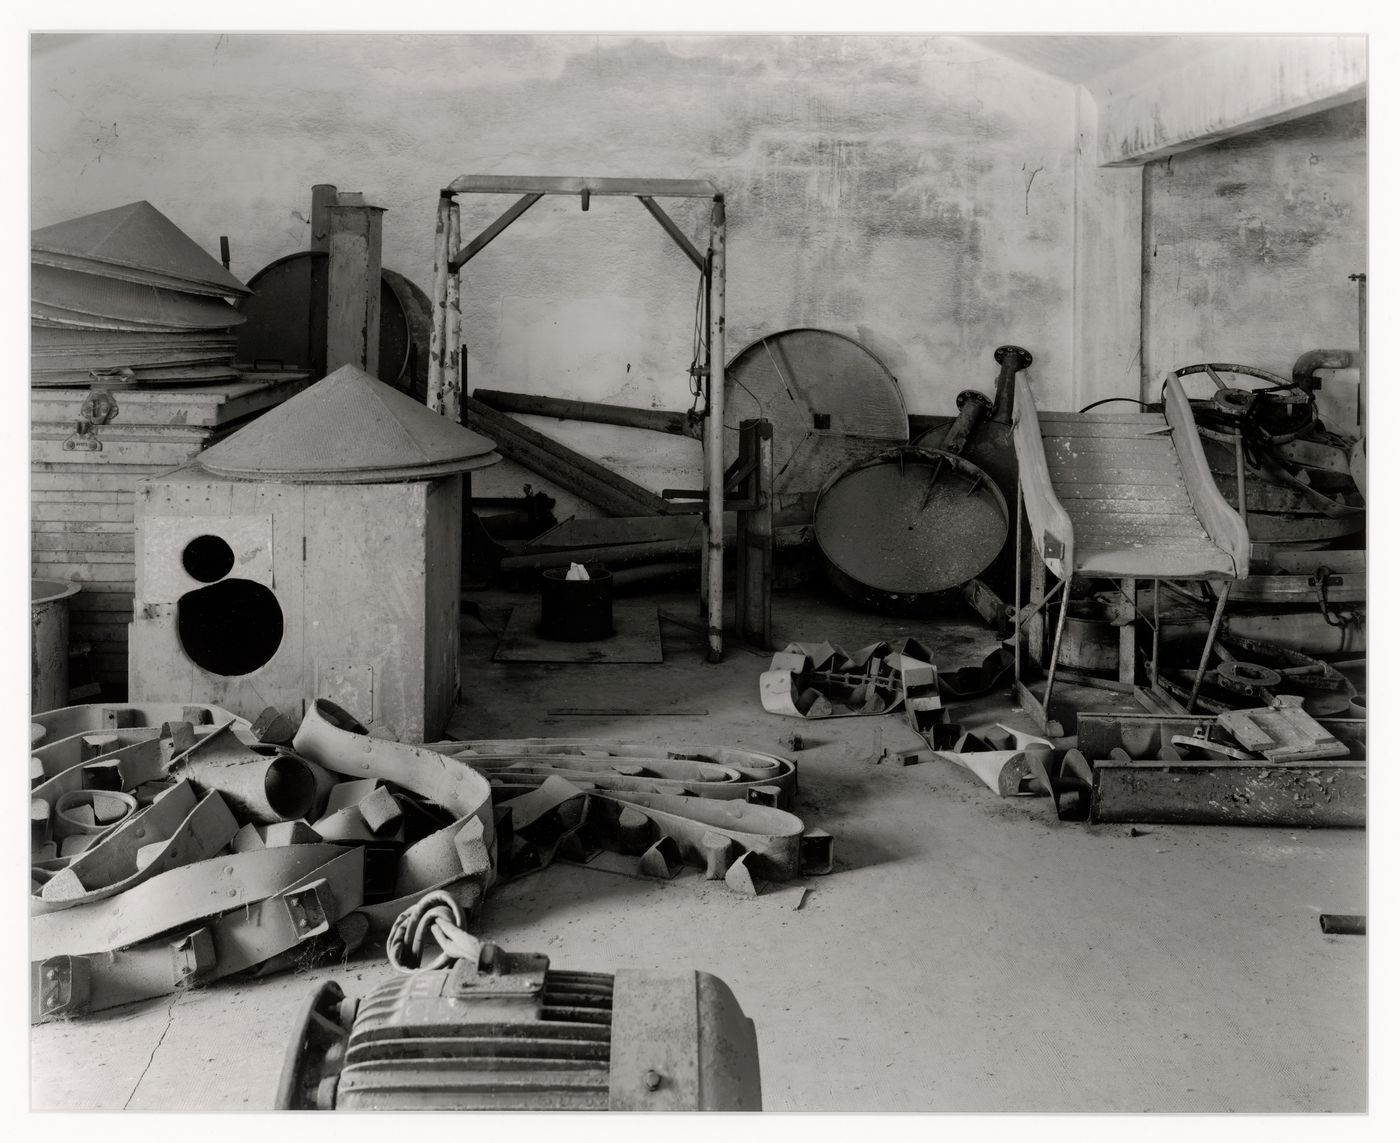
(169, 1020)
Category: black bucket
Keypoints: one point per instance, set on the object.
(576, 610)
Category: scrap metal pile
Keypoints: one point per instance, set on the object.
(174, 845)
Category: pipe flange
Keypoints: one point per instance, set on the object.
(1003, 350)
(1247, 679)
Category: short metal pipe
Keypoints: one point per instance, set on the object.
(1343, 924)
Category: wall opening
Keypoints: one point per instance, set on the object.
(208, 558)
(230, 628)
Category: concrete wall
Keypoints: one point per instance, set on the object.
(1249, 243)
(914, 192)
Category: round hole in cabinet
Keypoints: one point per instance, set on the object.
(207, 558)
(232, 627)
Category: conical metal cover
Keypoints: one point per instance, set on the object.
(348, 428)
(136, 236)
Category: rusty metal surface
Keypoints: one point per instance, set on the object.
(909, 523)
(279, 310)
(1301, 794)
(348, 428)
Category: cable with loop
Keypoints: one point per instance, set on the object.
(435, 915)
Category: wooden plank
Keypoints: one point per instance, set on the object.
(1056, 419)
(656, 420)
(1109, 446)
(1099, 430)
(1089, 506)
(549, 184)
(261, 395)
(1165, 491)
(116, 452)
(113, 569)
(64, 476)
(94, 599)
(127, 433)
(71, 527)
(1127, 526)
(583, 475)
(103, 542)
(117, 497)
(79, 512)
(1152, 475)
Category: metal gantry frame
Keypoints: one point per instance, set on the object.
(445, 347)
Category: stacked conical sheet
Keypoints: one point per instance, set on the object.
(123, 297)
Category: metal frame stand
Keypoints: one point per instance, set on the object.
(445, 364)
(1152, 698)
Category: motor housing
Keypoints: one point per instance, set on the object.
(507, 1033)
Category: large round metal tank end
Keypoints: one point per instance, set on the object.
(908, 523)
(48, 603)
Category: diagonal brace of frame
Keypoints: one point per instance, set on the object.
(489, 235)
(668, 224)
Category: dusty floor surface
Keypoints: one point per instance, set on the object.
(967, 954)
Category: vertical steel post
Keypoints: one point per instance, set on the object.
(714, 442)
(454, 366)
(437, 342)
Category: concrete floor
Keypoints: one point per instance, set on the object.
(967, 954)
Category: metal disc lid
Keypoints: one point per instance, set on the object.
(909, 523)
(827, 396)
(349, 428)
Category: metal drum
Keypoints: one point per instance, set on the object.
(48, 604)
(908, 523)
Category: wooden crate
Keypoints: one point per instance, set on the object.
(354, 597)
(81, 511)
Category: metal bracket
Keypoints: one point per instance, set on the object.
(63, 987)
(192, 957)
(310, 908)
(98, 408)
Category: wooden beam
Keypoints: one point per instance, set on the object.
(668, 224)
(489, 235)
(654, 420)
(551, 184)
(569, 469)
(1236, 85)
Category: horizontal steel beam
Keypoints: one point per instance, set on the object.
(551, 184)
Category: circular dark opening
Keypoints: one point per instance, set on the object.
(290, 787)
(230, 628)
(208, 558)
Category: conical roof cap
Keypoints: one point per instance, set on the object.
(348, 428)
(137, 236)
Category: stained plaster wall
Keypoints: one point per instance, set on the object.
(914, 192)
(1249, 243)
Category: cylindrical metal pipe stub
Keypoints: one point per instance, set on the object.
(1343, 924)
(263, 790)
(576, 610)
